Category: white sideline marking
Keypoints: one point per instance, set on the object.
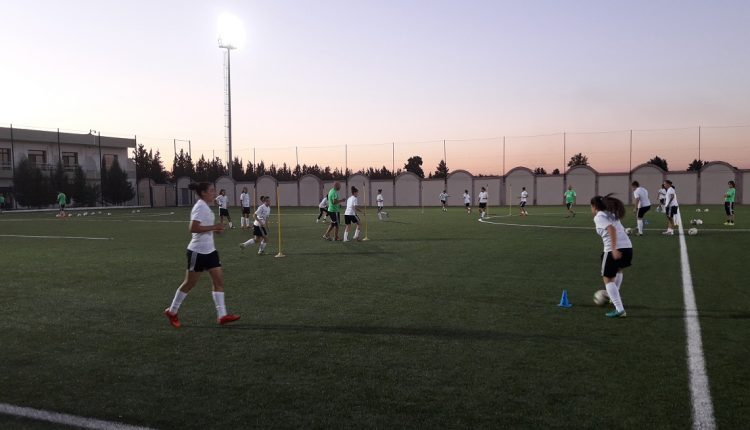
(700, 391)
(65, 419)
(56, 237)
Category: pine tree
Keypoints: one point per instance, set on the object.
(118, 187)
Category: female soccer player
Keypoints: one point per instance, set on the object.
(202, 256)
(570, 200)
(381, 203)
(323, 209)
(260, 232)
(671, 209)
(61, 200)
(221, 201)
(444, 200)
(522, 205)
(350, 215)
(618, 250)
(483, 198)
(642, 204)
(245, 202)
(662, 198)
(467, 201)
(729, 203)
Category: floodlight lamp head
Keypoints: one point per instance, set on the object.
(231, 32)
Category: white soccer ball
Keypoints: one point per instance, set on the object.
(133, 211)
(705, 210)
(601, 298)
(693, 231)
(70, 214)
(699, 221)
(698, 210)
(139, 211)
(109, 213)
(78, 214)
(629, 231)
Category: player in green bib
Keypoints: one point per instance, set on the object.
(62, 199)
(333, 212)
(570, 199)
(729, 203)
(2, 203)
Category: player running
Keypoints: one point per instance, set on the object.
(467, 201)
(444, 200)
(202, 256)
(381, 203)
(260, 232)
(350, 215)
(522, 204)
(323, 210)
(570, 200)
(483, 198)
(221, 201)
(642, 204)
(618, 250)
(333, 211)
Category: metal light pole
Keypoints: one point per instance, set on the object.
(231, 36)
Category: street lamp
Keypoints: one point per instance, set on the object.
(231, 36)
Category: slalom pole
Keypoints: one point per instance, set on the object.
(364, 187)
(278, 213)
(510, 196)
(487, 209)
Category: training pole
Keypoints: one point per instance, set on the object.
(487, 209)
(510, 198)
(278, 214)
(364, 187)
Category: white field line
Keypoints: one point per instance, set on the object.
(563, 227)
(64, 419)
(700, 391)
(56, 237)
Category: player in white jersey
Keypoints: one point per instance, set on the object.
(671, 208)
(522, 204)
(444, 200)
(483, 198)
(350, 215)
(642, 204)
(245, 202)
(381, 204)
(221, 201)
(467, 201)
(260, 231)
(662, 198)
(202, 256)
(322, 209)
(618, 250)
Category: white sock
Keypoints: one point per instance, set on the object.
(614, 295)
(356, 233)
(249, 242)
(262, 246)
(230, 225)
(346, 236)
(640, 226)
(618, 280)
(179, 296)
(221, 308)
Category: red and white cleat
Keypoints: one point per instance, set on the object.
(173, 320)
(226, 319)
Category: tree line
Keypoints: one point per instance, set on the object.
(33, 188)
(150, 165)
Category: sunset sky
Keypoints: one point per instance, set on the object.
(318, 75)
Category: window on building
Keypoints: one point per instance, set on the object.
(108, 159)
(70, 160)
(5, 163)
(37, 156)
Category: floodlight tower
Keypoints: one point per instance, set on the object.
(231, 36)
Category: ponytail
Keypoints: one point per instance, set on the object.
(199, 187)
(609, 204)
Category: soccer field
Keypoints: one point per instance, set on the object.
(439, 321)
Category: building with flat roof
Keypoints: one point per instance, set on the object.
(46, 148)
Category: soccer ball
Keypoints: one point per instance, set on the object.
(601, 298)
(629, 231)
(698, 210)
(699, 221)
(694, 222)
(705, 210)
(693, 231)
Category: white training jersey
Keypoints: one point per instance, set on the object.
(263, 212)
(351, 204)
(467, 198)
(602, 220)
(641, 194)
(671, 197)
(221, 201)
(323, 203)
(524, 195)
(202, 243)
(662, 194)
(380, 200)
(483, 196)
(245, 200)
(443, 197)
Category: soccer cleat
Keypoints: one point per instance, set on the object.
(668, 233)
(173, 320)
(242, 246)
(226, 319)
(727, 223)
(615, 314)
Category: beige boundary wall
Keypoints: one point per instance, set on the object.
(408, 190)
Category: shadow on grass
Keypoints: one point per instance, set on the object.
(436, 332)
